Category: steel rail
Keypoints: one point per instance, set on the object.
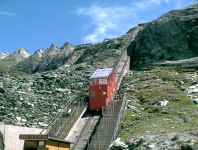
(120, 76)
(81, 133)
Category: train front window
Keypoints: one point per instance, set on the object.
(102, 81)
(93, 82)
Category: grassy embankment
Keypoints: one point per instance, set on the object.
(158, 84)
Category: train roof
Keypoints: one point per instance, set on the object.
(101, 73)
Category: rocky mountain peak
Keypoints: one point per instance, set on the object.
(21, 52)
(38, 53)
(66, 44)
(52, 46)
(4, 55)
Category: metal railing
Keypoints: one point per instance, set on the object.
(65, 127)
(59, 114)
(119, 118)
(66, 120)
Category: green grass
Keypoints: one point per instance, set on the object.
(5, 65)
(180, 115)
(16, 73)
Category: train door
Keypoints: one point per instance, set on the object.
(100, 96)
(109, 86)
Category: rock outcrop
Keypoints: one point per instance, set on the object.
(47, 59)
(21, 53)
(173, 36)
(4, 55)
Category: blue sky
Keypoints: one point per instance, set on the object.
(36, 24)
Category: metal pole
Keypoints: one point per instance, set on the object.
(102, 132)
(113, 105)
(116, 95)
(99, 142)
(108, 118)
(106, 123)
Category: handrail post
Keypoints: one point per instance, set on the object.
(99, 141)
(102, 132)
(106, 123)
(113, 105)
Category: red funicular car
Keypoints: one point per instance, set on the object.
(101, 88)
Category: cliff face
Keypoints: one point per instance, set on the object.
(54, 57)
(173, 36)
(23, 61)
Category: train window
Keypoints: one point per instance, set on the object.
(93, 82)
(102, 81)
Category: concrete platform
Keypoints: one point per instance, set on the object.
(11, 136)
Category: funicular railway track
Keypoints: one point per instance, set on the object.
(108, 126)
(94, 130)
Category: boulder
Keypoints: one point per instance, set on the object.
(18, 119)
(63, 90)
(2, 90)
(132, 108)
(162, 103)
(117, 143)
(43, 124)
(134, 80)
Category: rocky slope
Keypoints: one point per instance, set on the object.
(34, 100)
(173, 36)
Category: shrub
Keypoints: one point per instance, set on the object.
(186, 147)
(176, 137)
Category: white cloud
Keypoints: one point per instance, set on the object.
(113, 21)
(9, 14)
(108, 22)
